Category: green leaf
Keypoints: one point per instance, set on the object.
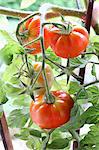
(91, 140)
(95, 39)
(27, 3)
(74, 122)
(23, 135)
(78, 62)
(22, 100)
(57, 134)
(33, 143)
(96, 45)
(73, 87)
(58, 143)
(18, 118)
(10, 48)
(51, 55)
(35, 133)
(83, 95)
(12, 90)
(93, 93)
(91, 115)
(3, 98)
(30, 144)
(93, 71)
(1, 111)
(8, 75)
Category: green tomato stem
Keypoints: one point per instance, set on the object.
(75, 136)
(45, 143)
(33, 41)
(91, 83)
(90, 53)
(93, 62)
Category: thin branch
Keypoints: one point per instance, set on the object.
(93, 62)
(90, 53)
(68, 65)
(47, 140)
(56, 11)
(68, 12)
(14, 13)
(91, 83)
(78, 3)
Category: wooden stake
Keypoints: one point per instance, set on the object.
(82, 70)
(5, 133)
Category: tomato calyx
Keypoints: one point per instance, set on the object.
(64, 28)
(49, 99)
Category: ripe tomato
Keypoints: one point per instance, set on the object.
(40, 81)
(50, 116)
(31, 30)
(68, 45)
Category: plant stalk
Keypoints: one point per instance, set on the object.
(45, 143)
(56, 11)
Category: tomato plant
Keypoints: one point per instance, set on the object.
(68, 45)
(50, 100)
(50, 116)
(30, 30)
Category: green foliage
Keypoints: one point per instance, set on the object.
(35, 6)
(94, 45)
(11, 88)
(18, 118)
(35, 133)
(91, 140)
(93, 71)
(51, 55)
(1, 111)
(73, 87)
(3, 98)
(58, 143)
(10, 48)
(25, 3)
(93, 93)
(23, 135)
(91, 115)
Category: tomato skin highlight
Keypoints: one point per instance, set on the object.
(49, 116)
(68, 45)
(31, 31)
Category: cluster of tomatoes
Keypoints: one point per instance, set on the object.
(52, 115)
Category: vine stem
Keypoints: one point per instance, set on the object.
(48, 100)
(88, 84)
(45, 143)
(75, 136)
(93, 62)
(90, 53)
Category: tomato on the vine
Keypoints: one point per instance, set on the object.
(40, 81)
(68, 45)
(31, 30)
(48, 116)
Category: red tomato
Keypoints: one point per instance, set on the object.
(68, 45)
(50, 116)
(31, 30)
